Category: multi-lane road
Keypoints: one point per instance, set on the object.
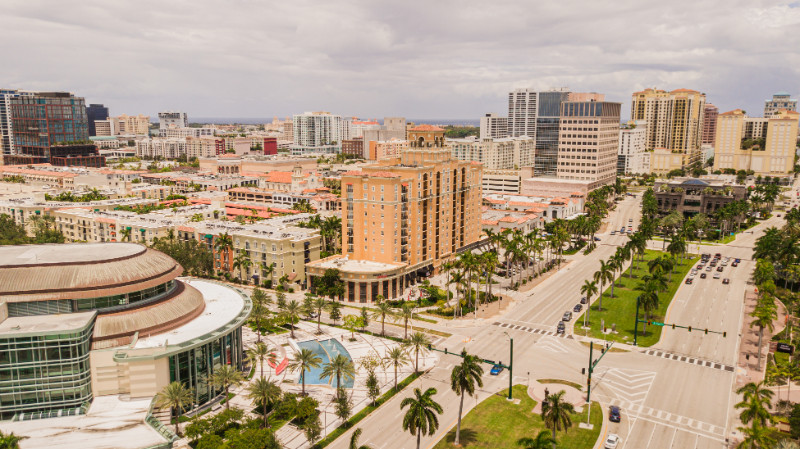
(676, 394)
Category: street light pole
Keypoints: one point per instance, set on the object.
(636, 323)
(510, 364)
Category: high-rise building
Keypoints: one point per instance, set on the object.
(95, 112)
(317, 132)
(171, 119)
(495, 154)
(51, 127)
(780, 100)
(547, 130)
(494, 127)
(674, 119)
(633, 157)
(7, 146)
(393, 128)
(138, 125)
(401, 218)
(588, 141)
(772, 155)
(522, 109)
(710, 113)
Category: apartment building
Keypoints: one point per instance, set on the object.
(160, 147)
(495, 154)
(633, 157)
(204, 147)
(501, 181)
(393, 128)
(170, 120)
(137, 125)
(181, 133)
(710, 113)
(353, 147)
(493, 126)
(401, 218)
(95, 112)
(588, 142)
(771, 156)
(7, 146)
(780, 100)
(674, 123)
(317, 132)
(383, 149)
(522, 112)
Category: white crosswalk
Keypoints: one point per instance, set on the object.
(552, 344)
(627, 384)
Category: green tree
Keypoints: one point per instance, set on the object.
(334, 311)
(226, 377)
(421, 419)
(303, 361)
(224, 245)
(556, 413)
(265, 393)
(292, 313)
(589, 288)
(764, 316)
(463, 380)
(344, 407)
(261, 352)
(339, 367)
(319, 304)
(418, 342)
(364, 318)
(397, 358)
(176, 397)
(405, 313)
(9, 441)
(373, 386)
(354, 440)
(382, 309)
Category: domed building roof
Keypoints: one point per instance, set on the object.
(80, 270)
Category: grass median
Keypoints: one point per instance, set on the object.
(621, 309)
(497, 423)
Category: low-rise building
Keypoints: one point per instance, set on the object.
(501, 181)
(691, 196)
(385, 149)
(495, 154)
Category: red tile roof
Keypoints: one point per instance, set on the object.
(426, 128)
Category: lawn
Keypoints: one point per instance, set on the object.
(497, 423)
(621, 310)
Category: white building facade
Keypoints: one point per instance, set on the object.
(633, 157)
(495, 154)
(494, 127)
(317, 132)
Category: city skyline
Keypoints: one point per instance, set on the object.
(375, 60)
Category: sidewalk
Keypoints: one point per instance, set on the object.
(747, 366)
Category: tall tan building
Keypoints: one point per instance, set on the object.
(588, 140)
(401, 218)
(674, 121)
(737, 146)
(710, 113)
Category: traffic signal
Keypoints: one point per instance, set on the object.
(673, 325)
(724, 334)
(583, 371)
(706, 331)
(429, 346)
(690, 328)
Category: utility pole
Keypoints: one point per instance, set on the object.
(592, 364)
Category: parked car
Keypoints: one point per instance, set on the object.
(613, 414)
(612, 441)
(702, 275)
(597, 239)
(561, 327)
(497, 369)
(577, 308)
(708, 268)
(737, 260)
(689, 280)
(720, 268)
(717, 275)
(567, 316)
(735, 264)
(583, 300)
(613, 232)
(726, 281)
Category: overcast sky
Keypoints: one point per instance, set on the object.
(421, 59)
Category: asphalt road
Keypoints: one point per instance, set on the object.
(677, 394)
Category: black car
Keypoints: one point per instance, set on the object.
(614, 414)
(689, 280)
(561, 327)
(720, 268)
(702, 275)
(735, 264)
(583, 300)
(726, 281)
(577, 308)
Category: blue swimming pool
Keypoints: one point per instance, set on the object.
(326, 350)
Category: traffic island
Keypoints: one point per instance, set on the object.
(497, 423)
(618, 317)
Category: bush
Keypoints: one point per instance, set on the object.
(794, 422)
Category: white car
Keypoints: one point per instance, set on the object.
(612, 441)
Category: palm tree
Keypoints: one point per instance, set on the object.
(354, 440)
(267, 270)
(614, 264)
(397, 358)
(421, 419)
(602, 275)
(756, 401)
(261, 352)
(458, 279)
(542, 441)
(226, 377)
(556, 413)
(9, 441)
(463, 379)
(292, 312)
(224, 244)
(382, 309)
(339, 367)
(589, 288)
(305, 360)
(176, 397)
(319, 304)
(756, 437)
(405, 313)
(418, 342)
(765, 314)
(266, 393)
(260, 302)
(242, 263)
(126, 234)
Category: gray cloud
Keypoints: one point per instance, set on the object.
(442, 59)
